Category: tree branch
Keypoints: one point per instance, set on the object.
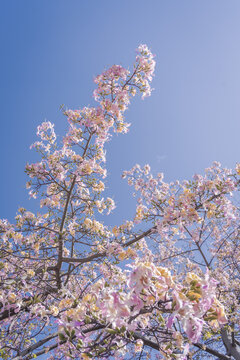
(232, 349)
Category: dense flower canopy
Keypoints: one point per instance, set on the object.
(164, 284)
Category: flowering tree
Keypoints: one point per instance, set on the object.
(164, 285)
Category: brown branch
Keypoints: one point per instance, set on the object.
(60, 238)
(212, 351)
(99, 255)
(54, 346)
(155, 346)
(35, 346)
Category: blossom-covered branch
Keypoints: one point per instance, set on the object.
(75, 288)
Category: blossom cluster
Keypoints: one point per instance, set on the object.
(128, 301)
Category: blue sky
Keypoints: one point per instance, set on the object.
(51, 51)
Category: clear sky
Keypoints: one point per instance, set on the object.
(52, 49)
